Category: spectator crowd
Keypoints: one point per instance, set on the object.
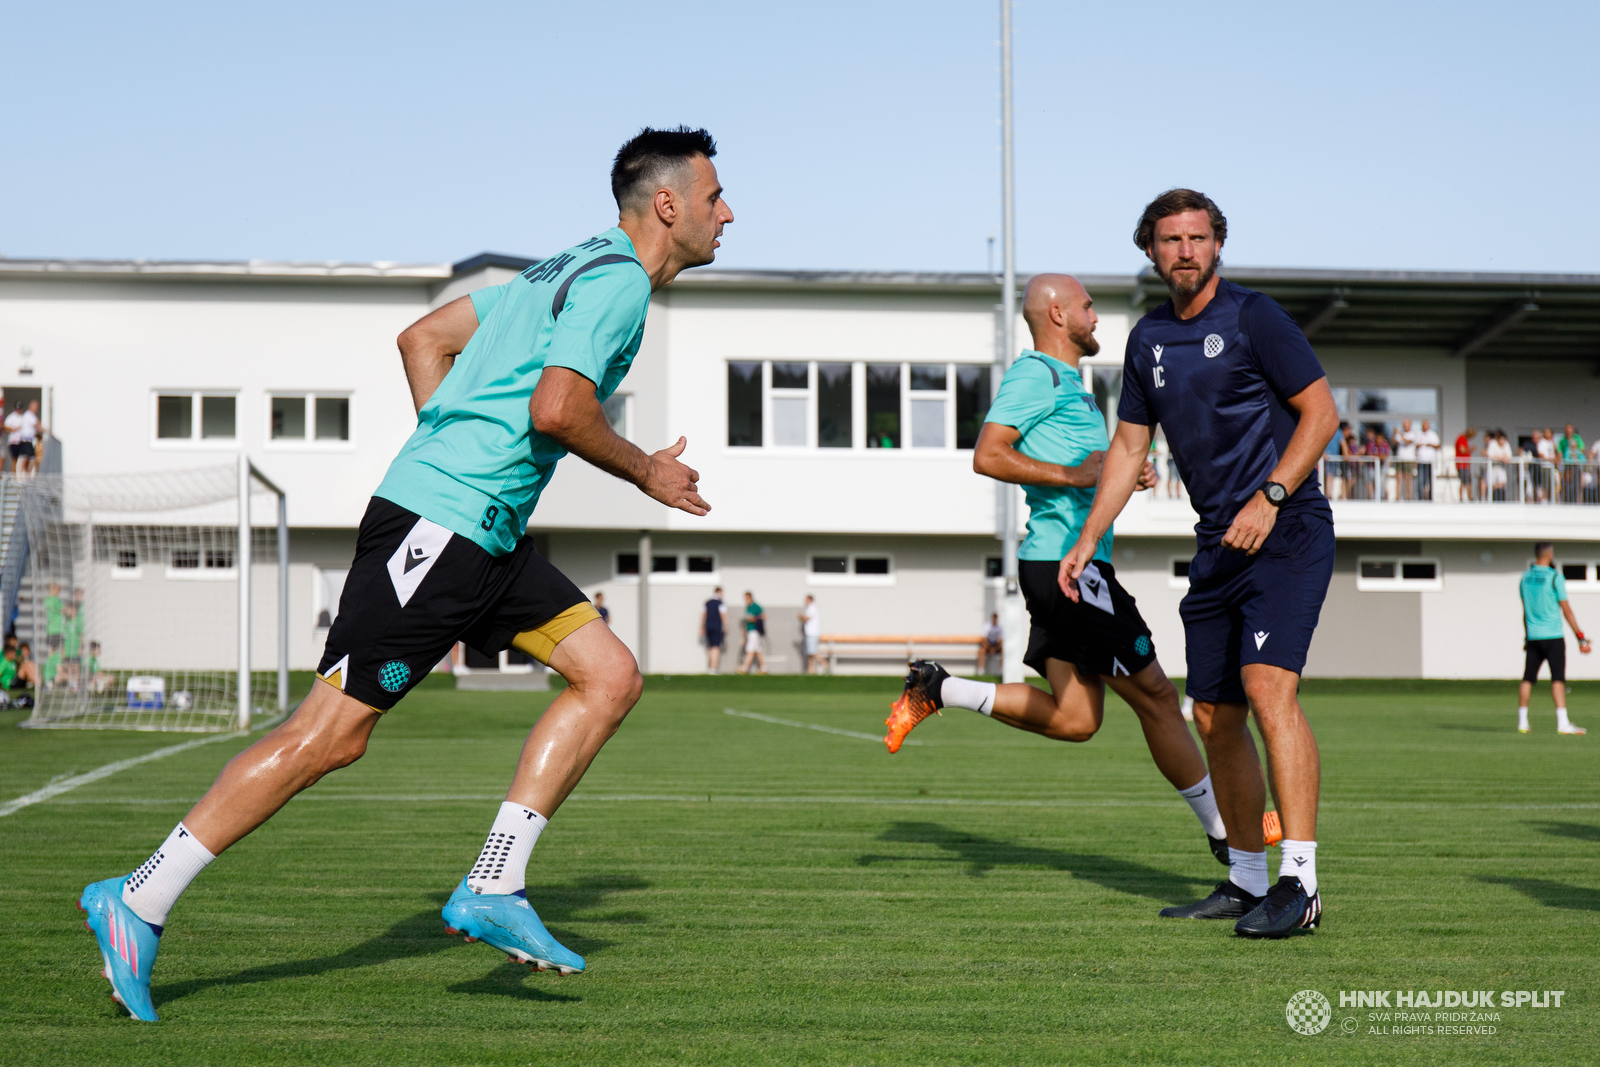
(1544, 467)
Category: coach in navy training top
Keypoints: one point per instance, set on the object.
(1217, 385)
(1247, 411)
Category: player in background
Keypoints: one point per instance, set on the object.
(1544, 603)
(506, 381)
(1045, 433)
(1247, 411)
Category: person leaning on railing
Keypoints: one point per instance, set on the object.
(1464, 474)
(1570, 450)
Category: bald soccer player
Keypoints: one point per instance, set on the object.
(1045, 433)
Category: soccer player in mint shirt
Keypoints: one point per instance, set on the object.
(506, 382)
(1544, 604)
(1247, 411)
(1045, 433)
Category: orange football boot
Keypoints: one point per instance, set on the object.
(920, 699)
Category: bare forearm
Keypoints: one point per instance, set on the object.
(429, 346)
(1572, 620)
(1009, 465)
(596, 442)
(425, 367)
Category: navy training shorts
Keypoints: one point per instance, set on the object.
(1255, 609)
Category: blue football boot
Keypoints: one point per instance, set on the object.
(128, 945)
(508, 922)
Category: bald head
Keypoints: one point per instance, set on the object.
(1060, 315)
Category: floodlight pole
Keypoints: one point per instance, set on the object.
(1011, 615)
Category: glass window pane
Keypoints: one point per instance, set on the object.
(1419, 572)
(702, 564)
(663, 564)
(789, 376)
(1107, 393)
(872, 565)
(175, 417)
(627, 563)
(972, 403)
(1377, 569)
(1180, 568)
(185, 559)
(833, 405)
(925, 376)
(992, 567)
(216, 417)
(789, 420)
(1422, 402)
(927, 424)
(289, 417)
(829, 565)
(1341, 402)
(219, 559)
(744, 404)
(883, 405)
(333, 418)
(1572, 572)
(616, 408)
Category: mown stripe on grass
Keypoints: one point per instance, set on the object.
(809, 726)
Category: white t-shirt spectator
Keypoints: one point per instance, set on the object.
(1546, 450)
(1427, 446)
(813, 626)
(1405, 445)
(13, 424)
(1594, 452)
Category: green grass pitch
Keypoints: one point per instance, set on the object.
(748, 891)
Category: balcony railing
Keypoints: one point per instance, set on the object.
(1523, 480)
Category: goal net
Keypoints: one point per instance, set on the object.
(145, 598)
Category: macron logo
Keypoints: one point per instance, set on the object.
(1157, 350)
(1261, 639)
(416, 558)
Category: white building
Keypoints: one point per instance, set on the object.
(831, 417)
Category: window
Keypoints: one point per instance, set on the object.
(744, 404)
(791, 404)
(835, 413)
(993, 567)
(1106, 385)
(973, 393)
(307, 417)
(851, 569)
(1178, 573)
(125, 564)
(179, 415)
(929, 392)
(1383, 410)
(883, 405)
(1379, 574)
(329, 589)
(669, 568)
(214, 557)
(619, 414)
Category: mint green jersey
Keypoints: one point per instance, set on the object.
(1543, 589)
(475, 464)
(1045, 399)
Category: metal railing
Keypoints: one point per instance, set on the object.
(1521, 480)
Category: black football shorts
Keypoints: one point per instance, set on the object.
(1552, 651)
(1102, 633)
(415, 589)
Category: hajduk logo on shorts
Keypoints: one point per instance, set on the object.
(394, 675)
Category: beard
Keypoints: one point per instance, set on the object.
(1181, 288)
(1084, 339)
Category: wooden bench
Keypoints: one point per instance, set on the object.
(877, 646)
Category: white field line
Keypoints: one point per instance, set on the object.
(66, 785)
(736, 800)
(808, 726)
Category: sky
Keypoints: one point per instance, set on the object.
(859, 135)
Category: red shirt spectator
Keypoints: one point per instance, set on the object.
(1464, 449)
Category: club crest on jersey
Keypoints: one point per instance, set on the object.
(1213, 345)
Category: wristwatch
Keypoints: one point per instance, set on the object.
(1275, 493)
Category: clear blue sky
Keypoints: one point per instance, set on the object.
(853, 135)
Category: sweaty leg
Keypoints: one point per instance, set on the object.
(603, 684)
(328, 731)
(1151, 695)
(1296, 764)
(1235, 770)
(1071, 711)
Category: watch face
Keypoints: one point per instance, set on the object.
(1275, 493)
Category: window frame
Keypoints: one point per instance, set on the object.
(120, 573)
(1588, 581)
(1174, 580)
(194, 442)
(310, 442)
(681, 576)
(1399, 584)
(203, 573)
(850, 577)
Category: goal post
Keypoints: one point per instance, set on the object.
(148, 599)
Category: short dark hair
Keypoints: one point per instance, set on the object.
(1176, 202)
(651, 155)
(1541, 547)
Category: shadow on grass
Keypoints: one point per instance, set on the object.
(1577, 830)
(423, 934)
(983, 854)
(1550, 894)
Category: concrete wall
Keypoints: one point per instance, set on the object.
(1521, 397)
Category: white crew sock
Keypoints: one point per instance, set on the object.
(151, 890)
(1522, 718)
(1203, 802)
(1561, 719)
(966, 693)
(1248, 871)
(1300, 860)
(502, 866)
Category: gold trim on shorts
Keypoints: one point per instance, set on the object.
(541, 643)
(336, 679)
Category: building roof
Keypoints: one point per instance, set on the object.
(223, 270)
